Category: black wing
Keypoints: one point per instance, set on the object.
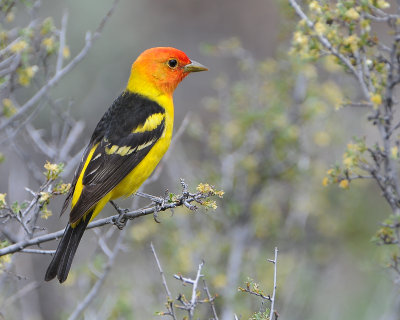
(118, 150)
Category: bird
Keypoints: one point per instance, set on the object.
(127, 144)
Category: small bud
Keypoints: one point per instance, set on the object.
(352, 14)
(8, 108)
(376, 99)
(394, 152)
(44, 197)
(19, 46)
(49, 44)
(45, 213)
(300, 39)
(315, 6)
(344, 184)
(66, 52)
(382, 4)
(320, 28)
(3, 202)
(10, 17)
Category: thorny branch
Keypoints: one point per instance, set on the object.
(165, 203)
(253, 288)
(170, 302)
(210, 299)
(188, 306)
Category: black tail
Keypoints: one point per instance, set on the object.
(62, 260)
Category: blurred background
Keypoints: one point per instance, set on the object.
(261, 126)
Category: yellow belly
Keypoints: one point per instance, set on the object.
(143, 170)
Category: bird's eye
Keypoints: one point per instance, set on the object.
(172, 63)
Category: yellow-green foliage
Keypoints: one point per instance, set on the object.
(27, 50)
(260, 316)
(6, 258)
(346, 24)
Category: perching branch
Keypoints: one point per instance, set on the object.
(185, 199)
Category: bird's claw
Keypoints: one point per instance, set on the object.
(121, 221)
(155, 216)
(159, 202)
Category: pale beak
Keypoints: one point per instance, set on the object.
(194, 66)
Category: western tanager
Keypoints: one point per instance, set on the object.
(125, 147)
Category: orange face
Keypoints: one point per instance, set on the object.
(164, 67)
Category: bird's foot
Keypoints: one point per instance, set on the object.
(155, 216)
(121, 221)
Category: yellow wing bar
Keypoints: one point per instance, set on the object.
(151, 123)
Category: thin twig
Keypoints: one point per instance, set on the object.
(36, 138)
(183, 279)
(258, 294)
(211, 299)
(38, 251)
(60, 57)
(275, 262)
(190, 306)
(193, 300)
(170, 303)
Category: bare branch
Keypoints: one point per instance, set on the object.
(37, 251)
(275, 262)
(190, 306)
(63, 31)
(193, 300)
(73, 136)
(211, 299)
(170, 303)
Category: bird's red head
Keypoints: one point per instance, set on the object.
(161, 69)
